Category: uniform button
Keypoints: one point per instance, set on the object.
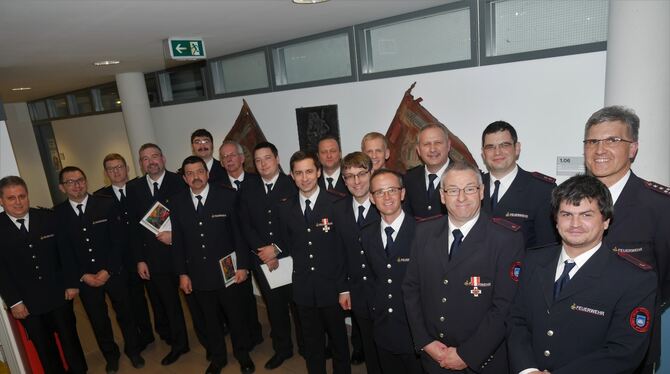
(204, 257)
(362, 252)
(550, 333)
(40, 277)
(83, 229)
(200, 223)
(202, 235)
(312, 268)
(363, 266)
(388, 266)
(92, 260)
(430, 207)
(445, 281)
(311, 256)
(30, 245)
(90, 250)
(390, 310)
(444, 299)
(88, 240)
(389, 281)
(270, 233)
(390, 296)
(269, 211)
(309, 230)
(37, 267)
(203, 246)
(269, 222)
(309, 243)
(441, 335)
(365, 278)
(441, 318)
(547, 353)
(34, 257)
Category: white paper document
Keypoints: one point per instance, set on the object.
(280, 276)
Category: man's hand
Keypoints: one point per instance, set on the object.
(241, 275)
(143, 270)
(185, 284)
(70, 293)
(266, 253)
(452, 360)
(91, 280)
(165, 237)
(20, 311)
(273, 264)
(345, 300)
(102, 276)
(436, 350)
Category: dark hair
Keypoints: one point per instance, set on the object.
(357, 160)
(150, 145)
(615, 113)
(11, 180)
(384, 171)
(581, 187)
(266, 145)
(192, 160)
(302, 155)
(202, 133)
(69, 169)
(499, 126)
(114, 156)
(331, 137)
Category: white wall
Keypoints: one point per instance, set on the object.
(547, 101)
(85, 141)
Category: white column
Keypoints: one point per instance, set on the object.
(136, 112)
(638, 76)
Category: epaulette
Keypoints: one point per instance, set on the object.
(101, 193)
(44, 208)
(543, 177)
(228, 187)
(663, 190)
(506, 224)
(634, 260)
(336, 193)
(429, 218)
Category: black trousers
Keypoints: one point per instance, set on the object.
(93, 300)
(161, 323)
(279, 303)
(165, 290)
(139, 306)
(40, 329)
(367, 337)
(316, 322)
(254, 327)
(233, 301)
(356, 339)
(399, 363)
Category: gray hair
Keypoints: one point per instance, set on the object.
(615, 113)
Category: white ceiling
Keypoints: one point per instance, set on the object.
(50, 45)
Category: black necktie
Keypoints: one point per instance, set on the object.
(237, 185)
(200, 207)
(81, 211)
(563, 279)
(389, 240)
(456, 244)
(330, 183)
(269, 186)
(494, 197)
(360, 218)
(23, 229)
(122, 199)
(155, 189)
(431, 187)
(308, 210)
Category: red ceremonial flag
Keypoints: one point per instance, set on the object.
(248, 133)
(409, 118)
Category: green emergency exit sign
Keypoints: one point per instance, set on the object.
(187, 48)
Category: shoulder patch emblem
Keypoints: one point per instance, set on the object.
(506, 224)
(663, 190)
(640, 319)
(515, 271)
(634, 260)
(429, 218)
(543, 177)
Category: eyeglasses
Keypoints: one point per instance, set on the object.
(230, 155)
(503, 146)
(72, 182)
(391, 191)
(358, 175)
(455, 191)
(115, 168)
(612, 141)
(201, 141)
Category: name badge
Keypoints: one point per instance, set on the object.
(402, 259)
(47, 236)
(627, 250)
(516, 215)
(584, 309)
(222, 215)
(100, 221)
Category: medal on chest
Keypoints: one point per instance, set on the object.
(325, 224)
(475, 291)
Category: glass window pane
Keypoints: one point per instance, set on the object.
(529, 25)
(82, 99)
(183, 84)
(109, 97)
(434, 39)
(240, 73)
(152, 89)
(38, 110)
(313, 60)
(57, 107)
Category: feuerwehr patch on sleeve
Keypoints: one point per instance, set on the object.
(515, 271)
(640, 319)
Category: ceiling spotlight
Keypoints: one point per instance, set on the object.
(106, 62)
(308, 1)
(21, 88)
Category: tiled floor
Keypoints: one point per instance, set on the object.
(192, 362)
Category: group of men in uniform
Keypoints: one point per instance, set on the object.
(443, 270)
